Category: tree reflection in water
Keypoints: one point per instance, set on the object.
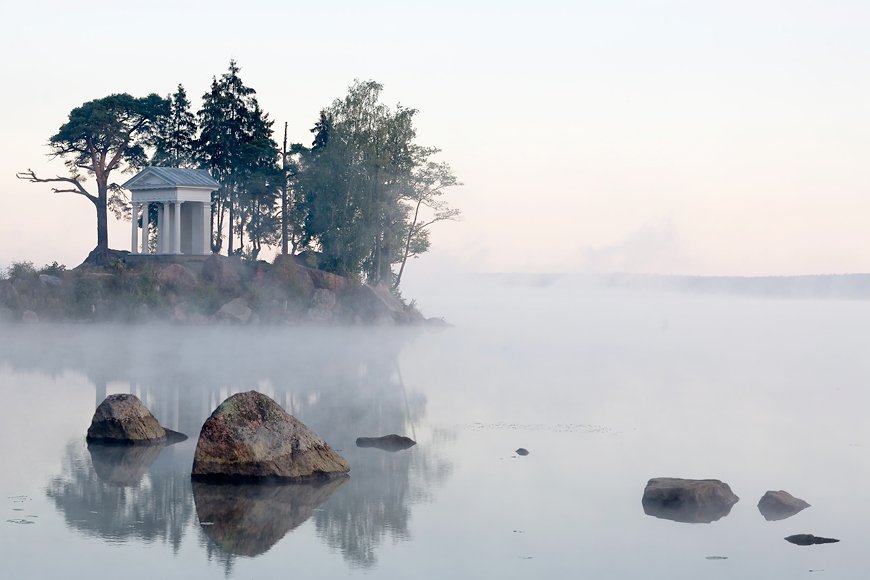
(119, 502)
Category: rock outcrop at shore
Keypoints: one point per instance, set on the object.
(249, 436)
(124, 419)
(779, 505)
(697, 501)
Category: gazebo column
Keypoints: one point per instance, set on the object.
(134, 234)
(176, 228)
(145, 207)
(206, 228)
(161, 228)
(166, 246)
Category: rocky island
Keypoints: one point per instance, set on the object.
(125, 287)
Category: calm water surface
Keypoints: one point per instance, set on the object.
(605, 389)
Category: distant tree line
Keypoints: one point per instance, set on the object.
(361, 197)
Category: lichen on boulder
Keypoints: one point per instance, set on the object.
(249, 436)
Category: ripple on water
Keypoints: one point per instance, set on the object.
(546, 427)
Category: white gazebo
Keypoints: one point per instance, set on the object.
(183, 198)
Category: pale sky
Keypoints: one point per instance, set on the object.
(675, 137)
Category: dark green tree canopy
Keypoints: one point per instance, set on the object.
(175, 134)
(236, 144)
(104, 133)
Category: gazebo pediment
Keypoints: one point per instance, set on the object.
(171, 178)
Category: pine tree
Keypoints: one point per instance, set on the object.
(175, 138)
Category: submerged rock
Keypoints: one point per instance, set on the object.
(247, 519)
(249, 436)
(779, 505)
(696, 501)
(809, 540)
(387, 442)
(122, 418)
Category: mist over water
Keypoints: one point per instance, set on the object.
(606, 386)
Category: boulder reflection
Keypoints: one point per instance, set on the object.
(687, 514)
(123, 465)
(124, 498)
(246, 519)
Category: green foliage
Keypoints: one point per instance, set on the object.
(86, 294)
(236, 145)
(102, 134)
(100, 137)
(175, 133)
(53, 269)
(21, 270)
(364, 182)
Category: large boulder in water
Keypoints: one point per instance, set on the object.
(696, 501)
(249, 436)
(779, 505)
(122, 418)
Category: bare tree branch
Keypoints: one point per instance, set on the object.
(78, 188)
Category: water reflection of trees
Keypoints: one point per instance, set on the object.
(115, 503)
(342, 383)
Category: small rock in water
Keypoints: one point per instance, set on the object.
(809, 540)
(717, 557)
(696, 501)
(779, 505)
(122, 418)
(522, 451)
(387, 442)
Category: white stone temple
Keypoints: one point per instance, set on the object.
(183, 198)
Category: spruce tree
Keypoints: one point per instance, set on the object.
(175, 136)
(236, 144)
